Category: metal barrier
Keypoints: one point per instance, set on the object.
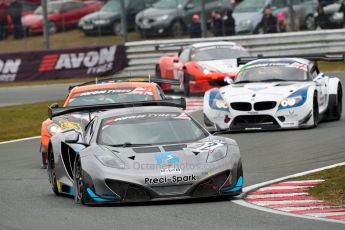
(143, 56)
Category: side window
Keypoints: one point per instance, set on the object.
(184, 56)
(279, 3)
(136, 5)
(314, 72)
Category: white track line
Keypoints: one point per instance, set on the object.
(282, 188)
(276, 195)
(266, 183)
(19, 140)
(266, 203)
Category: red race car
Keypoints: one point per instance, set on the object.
(201, 66)
(61, 15)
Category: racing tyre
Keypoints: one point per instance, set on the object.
(79, 187)
(177, 29)
(339, 103)
(52, 173)
(186, 89)
(316, 114)
(117, 28)
(52, 29)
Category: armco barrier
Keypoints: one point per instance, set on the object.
(62, 63)
(143, 56)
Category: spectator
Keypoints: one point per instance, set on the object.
(322, 21)
(15, 11)
(195, 27)
(216, 23)
(342, 10)
(229, 23)
(3, 19)
(281, 22)
(268, 22)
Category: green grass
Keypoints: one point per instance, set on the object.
(23, 120)
(332, 189)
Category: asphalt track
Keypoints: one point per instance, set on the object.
(26, 201)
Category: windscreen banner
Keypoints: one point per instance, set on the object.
(62, 63)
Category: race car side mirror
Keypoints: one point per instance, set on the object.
(228, 80)
(73, 137)
(54, 105)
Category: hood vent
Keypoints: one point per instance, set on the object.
(147, 150)
(169, 148)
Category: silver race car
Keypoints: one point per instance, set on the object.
(142, 151)
(275, 93)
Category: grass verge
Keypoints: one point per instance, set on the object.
(23, 120)
(332, 189)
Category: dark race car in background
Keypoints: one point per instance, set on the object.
(201, 66)
(142, 151)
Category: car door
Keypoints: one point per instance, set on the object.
(321, 82)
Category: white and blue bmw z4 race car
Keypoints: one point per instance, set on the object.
(274, 93)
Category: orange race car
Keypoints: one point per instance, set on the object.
(200, 66)
(92, 94)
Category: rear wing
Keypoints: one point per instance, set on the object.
(313, 57)
(58, 111)
(128, 79)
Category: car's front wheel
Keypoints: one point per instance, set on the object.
(79, 186)
(52, 28)
(186, 80)
(117, 28)
(52, 172)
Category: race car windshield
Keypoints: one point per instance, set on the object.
(271, 74)
(149, 129)
(51, 9)
(168, 4)
(250, 6)
(108, 96)
(217, 53)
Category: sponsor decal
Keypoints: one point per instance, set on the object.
(96, 62)
(169, 158)
(300, 66)
(182, 116)
(170, 171)
(9, 69)
(143, 91)
(105, 91)
(142, 116)
(174, 179)
(69, 125)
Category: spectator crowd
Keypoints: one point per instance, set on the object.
(10, 19)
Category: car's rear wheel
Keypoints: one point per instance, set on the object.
(52, 29)
(316, 114)
(79, 187)
(52, 172)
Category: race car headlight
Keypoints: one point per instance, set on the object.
(294, 100)
(54, 128)
(217, 154)
(112, 161)
(162, 18)
(291, 101)
(218, 103)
